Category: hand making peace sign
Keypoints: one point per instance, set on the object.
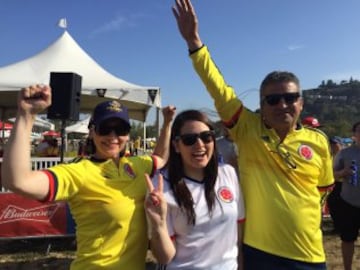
(155, 204)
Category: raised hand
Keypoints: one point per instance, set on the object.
(168, 113)
(187, 23)
(34, 99)
(155, 204)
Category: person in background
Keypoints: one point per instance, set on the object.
(227, 150)
(131, 147)
(336, 144)
(105, 191)
(53, 150)
(137, 145)
(346, 167)
(42, 147)
(310, 121)
(333, 200)
(283, 167)
(81, 148)
(205, 208)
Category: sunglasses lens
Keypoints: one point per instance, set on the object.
(291, 97)
(191, 138)
(104, 130)
(274, 99)
(206, 136)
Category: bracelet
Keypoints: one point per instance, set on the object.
(194, 51)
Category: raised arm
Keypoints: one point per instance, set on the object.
(156, 210)
(16, 168)
(161, 150)
(187, 23)
(226, 102)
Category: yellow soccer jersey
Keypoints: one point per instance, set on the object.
(107, 203)
(280, 181)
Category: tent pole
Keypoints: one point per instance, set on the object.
(144, 136)
(158, 121)
(3, 126)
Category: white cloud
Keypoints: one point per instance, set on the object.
(117, 23)
(295, 47)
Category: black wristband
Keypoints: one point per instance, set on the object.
(194, 51)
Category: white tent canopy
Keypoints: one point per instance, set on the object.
(39, 122)
(65, 55)
(79, 127)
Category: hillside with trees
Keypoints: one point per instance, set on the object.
(335, 105)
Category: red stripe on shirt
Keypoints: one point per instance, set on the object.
(241, 220)
(326, 188)
(155, 166)
(232, 122)
(52, 186)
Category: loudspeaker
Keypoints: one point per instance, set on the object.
(66, 93)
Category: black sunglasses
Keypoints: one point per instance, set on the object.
(274, 99)
(189, 139)
(120, 130)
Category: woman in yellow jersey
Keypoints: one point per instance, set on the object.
(105, 191)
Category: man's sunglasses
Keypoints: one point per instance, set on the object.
(191, 138)
(119, 130)
(274, 99)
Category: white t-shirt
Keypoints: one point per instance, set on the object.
(212, 242)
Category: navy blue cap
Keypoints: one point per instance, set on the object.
(109, 109)
(336, 139)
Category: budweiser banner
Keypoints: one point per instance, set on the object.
(21, 217)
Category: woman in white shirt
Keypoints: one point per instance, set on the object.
(205, 208)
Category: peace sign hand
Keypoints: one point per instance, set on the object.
(155, 204)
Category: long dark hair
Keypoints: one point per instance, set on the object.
(175, 168)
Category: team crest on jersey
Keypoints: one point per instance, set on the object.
(129, 171)
(225, 194)
(306, 151)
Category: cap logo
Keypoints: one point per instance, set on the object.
(114, 106)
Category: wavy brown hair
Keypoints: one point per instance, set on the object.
(176, 168)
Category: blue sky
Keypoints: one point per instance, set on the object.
(138, 41)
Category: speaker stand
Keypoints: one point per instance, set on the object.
(62, 148)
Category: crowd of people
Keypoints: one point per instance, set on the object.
(249, 200)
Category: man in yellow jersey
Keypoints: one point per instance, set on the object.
(105, 191)
(282, 165)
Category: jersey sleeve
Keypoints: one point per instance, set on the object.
(65, 180)
(326, 179)
(226, 102)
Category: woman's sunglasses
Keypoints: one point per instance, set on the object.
(274, 99)
(119, 130)
(191, 138)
